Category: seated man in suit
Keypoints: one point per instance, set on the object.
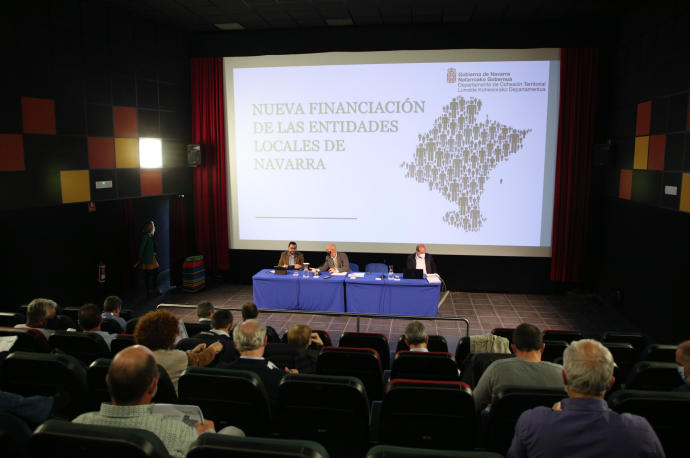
(334, 262)
(250, 340)
(221, 324)
(421, 260)
(291, 257)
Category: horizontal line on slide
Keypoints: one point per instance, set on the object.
(301, 217)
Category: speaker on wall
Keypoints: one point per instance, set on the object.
(193, 155)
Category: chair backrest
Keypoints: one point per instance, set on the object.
(354, 267)
(659, 352)
(428, 414)
(567, 335)
(462, 349)
(228, 397)
(331, 410)
(504, 332)
(189, 342)
(72, 313)
(653, 376)
(666, 412)
(377, 341)
(47, 374)
(63, 438)
(325, 337)
(120, 342)
(285, 355)
(425, 366)
(10, 319)
(436, 343)
(111, 326)
(475, 364)
(195, 328)
(376, 267)
(394, 451)
(508, 405)
(211, 445)
(637, 339)
(131, 324)
(14, 435)
(553, 349)
(98, 389)
(28, 339)
(625, 357)
(363, 363)
(85, 346)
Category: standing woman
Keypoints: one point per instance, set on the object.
(148, 261)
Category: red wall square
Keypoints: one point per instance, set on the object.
(38, 115)
(657, 151)
(11, 152)
(101, 153)
(625, 185)
(644, 118)
(151, 182)
(125, 122)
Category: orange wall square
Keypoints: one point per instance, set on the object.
(641, 152)
(101, 153)
(625, 185)
(644, 118)
(11, 152)
(75, 186)
(151, 182)
(125, 122)
(38, 115)
(657, 150)
(685, 193)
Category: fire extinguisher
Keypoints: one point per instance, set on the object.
(101, 272)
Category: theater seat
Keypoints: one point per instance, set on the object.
(425, 366)
(436, 344)
(31, 340)
(428, 414)
(57, 438)
(660, 353)
(393, 451)
(228, 397)
(363, 363)
(504, 332)
(508, 405)
(377, 267)
(637, 339)
(567, 335)
(475, 364)
(377, 341)
(553, 349)
(653, 376)
(195, 328)
(120, 342)
(85, 346)
(211, 445)
(9, 319)
(625, 357)
(49, 375)
(330, 410)
(666, 412)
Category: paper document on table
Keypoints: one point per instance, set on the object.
(433, 278)
(357, 275)
(337, 274)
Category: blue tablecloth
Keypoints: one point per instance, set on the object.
(290, 292)
(392, 297)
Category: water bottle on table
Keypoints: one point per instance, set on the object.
(390, 272)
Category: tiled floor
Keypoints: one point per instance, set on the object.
(484, 311)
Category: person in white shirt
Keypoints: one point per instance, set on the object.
(420, 259)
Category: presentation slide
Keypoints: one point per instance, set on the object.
(380, 151)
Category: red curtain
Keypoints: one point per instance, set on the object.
(573, 162)
(208, 130)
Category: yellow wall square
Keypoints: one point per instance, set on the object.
(641, 151)
(685, 193)
(126, 153)
(75, 186)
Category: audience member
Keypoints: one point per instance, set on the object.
(683, 360)
(205, 311)
(526, 369)
(90, 321)
(34, 410)
(132, 382)
(157, 330)
(301, 336)
(251, 312)
(221, 325)
(250, 340)
(112, 306)
(416, 337)
(37, 314)
(582, 424)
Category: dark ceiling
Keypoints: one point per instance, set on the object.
(202, 15)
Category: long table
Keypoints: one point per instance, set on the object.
(368, 294)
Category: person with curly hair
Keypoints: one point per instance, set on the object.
(157, 330)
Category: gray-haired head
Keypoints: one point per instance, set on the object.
(588, 367)
(415, 333)
(39, 310)
(250, 335)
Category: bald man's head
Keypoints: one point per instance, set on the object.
(332, 250)
(133, 376)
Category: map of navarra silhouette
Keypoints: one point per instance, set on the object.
(456, 156)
